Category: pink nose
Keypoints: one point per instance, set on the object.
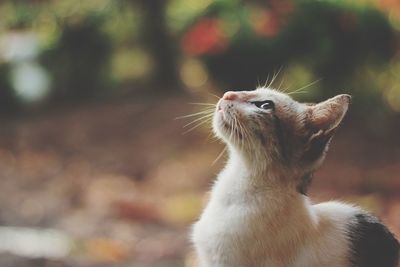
(230, 96)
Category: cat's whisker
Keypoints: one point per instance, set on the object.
(214, 95)
(203, 104)
(219, 156)
(230, 131)
(272, 81)
(198, 119)
(285, 90)
(304, 87)
(244, 133)
(247, 138)
(212, 138)
(207, 111)
(280, 85)
(236, 137)
(197, 125)
(274, 77)
(239, 133)
(266, 82)
(235, 133)
(301, 92)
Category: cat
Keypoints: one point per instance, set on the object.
(258, 213)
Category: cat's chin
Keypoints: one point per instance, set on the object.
(221, 126)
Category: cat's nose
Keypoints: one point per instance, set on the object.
(230, 96)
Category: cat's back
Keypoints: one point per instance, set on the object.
(372, 244)
(359, 237)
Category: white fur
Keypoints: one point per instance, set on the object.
(251, 225)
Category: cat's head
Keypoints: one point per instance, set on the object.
(267, 125)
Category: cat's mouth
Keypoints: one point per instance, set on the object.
(223, 113)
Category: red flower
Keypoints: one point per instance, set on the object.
(205, 37)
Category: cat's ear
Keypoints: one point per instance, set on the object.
(321, 122)
(326, 116)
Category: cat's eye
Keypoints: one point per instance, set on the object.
(267, 104)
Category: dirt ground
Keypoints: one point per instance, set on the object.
(122, 183)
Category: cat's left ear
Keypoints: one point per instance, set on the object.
(322, 121)
(326, 116)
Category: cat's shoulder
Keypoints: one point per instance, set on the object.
(336, 210)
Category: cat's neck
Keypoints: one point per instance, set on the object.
(240, 186)
(255, 171)
(243, 178)
(241, 183)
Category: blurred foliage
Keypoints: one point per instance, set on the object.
(344, 45)
(79, 62)
(8, 100)
(331, 40)
(78, 42)
(97, 48)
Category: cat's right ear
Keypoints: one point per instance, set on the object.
(322, 121)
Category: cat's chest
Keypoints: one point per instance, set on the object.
(246, 235)
(229, 219)
(234, 233)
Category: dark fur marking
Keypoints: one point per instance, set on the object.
(260, 136)
(280, 137)
(372, 245)
(304, 183)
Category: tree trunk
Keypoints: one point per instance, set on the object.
(159, 41)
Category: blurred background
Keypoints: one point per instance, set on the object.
(95, 169)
